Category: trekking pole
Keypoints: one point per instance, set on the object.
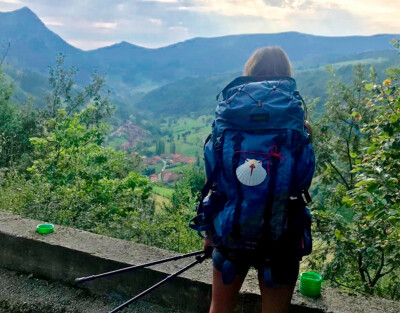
(199, 259)
(135, 267)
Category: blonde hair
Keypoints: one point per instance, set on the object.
(268, 61)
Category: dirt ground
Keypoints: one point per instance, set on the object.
(26, 294)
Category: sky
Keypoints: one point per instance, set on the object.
(89, 24)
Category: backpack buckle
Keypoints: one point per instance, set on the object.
(218, 144)
(306, 196)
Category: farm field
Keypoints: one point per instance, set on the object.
(163, 191)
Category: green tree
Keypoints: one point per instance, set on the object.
(168, 227)
(66, 95)
(357, 203)
(172, 148)
(376, 196)
(160, 147)
(17, 124)
(82, 183)
(73, 179)
(183, 204)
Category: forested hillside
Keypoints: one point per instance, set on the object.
(132, 70)
(198, 95)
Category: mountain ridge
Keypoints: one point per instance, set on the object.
(133, 70)
(365, 43)
(124, 42)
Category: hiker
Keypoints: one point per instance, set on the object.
(259, 164)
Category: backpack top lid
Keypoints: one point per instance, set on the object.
(260, 103)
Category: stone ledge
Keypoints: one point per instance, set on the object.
(70, 253)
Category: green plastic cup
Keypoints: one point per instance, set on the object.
(45, 228)
(310, 284)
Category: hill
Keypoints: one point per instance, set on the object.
(197, 95)
(133, 70)
(33, 45)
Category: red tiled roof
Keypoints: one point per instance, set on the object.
(168, 176)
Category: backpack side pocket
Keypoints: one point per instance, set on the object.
(305, 168)
(298, 239)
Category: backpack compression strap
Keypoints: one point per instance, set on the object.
(266, 242)
(296, 193)
(237, 139)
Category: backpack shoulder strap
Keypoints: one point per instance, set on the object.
(199, 222)
(212, 177)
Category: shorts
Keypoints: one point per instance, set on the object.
(279, 271)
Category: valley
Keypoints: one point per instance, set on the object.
(165, 97)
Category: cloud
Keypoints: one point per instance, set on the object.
(185, 8)
(90, 44)
(379, 16)
(261, 8)
(289, 3)
(239, 8)
(49, 21)
(178, 28)
(360, 16)
(161, 1)
(9, 5)
(105, 25)
(155, 21)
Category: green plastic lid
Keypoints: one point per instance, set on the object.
(45, 228)
(310, 284)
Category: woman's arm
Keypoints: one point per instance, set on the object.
(207, 242)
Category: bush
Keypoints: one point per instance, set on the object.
(358, 202)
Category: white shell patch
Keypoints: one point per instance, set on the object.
(251, 173)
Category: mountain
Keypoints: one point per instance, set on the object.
(133, 71)
(198, 95)
(33, 45)
(210, 56)
(189, 95)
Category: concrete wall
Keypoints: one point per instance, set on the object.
(69, 253)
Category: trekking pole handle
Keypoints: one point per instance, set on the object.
(135, 267)
(199, 259)
(207, 253)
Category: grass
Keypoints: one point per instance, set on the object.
(196, 130)
(187, 149)
(179, 168)
(187, 124)
(115, 142)
(199, 130)
(163, 191)
(161, 202)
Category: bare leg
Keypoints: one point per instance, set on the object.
(223, 296)
(277, 299)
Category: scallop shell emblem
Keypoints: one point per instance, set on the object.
(251, 173)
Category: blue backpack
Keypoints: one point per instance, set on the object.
(259, 165)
